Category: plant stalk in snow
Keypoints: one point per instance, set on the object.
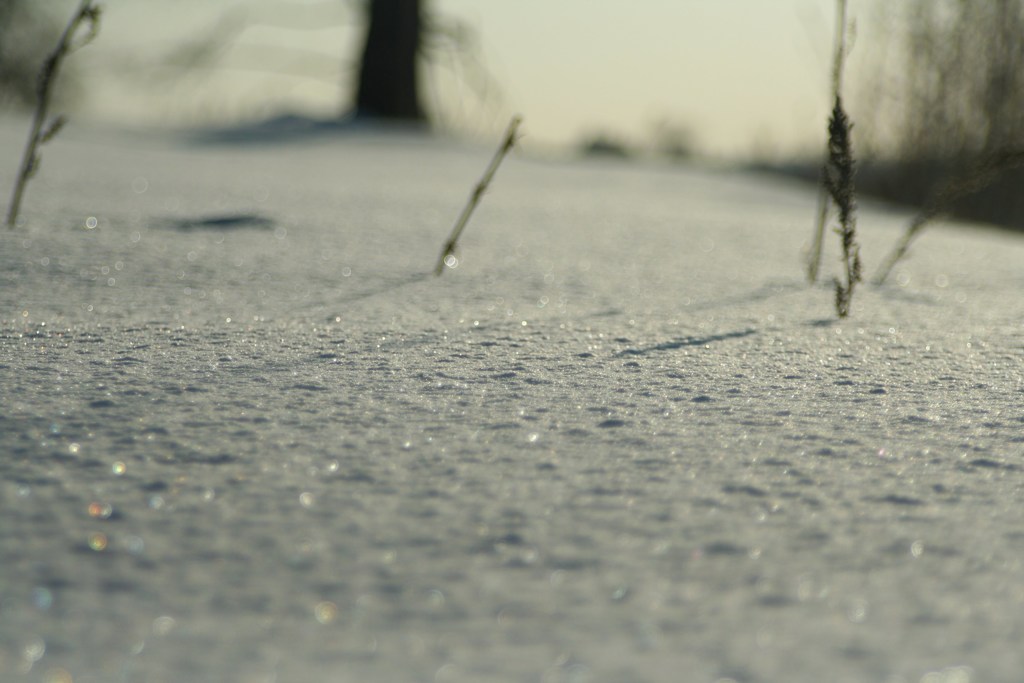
(447, 257)
(42, 130)
(838, 62)
(979, 176)
(838, 180)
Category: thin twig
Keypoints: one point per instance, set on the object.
(86, 12)
(818, 242)
(975, 178)
(448, 251)
(839, 58)
(838, 62)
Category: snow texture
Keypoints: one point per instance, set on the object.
(246, 436)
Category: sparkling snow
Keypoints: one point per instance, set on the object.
(246, 436)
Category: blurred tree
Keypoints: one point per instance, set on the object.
(388, 74)
(673, 139)
(963, 79)
(954, 113)
(25, 37)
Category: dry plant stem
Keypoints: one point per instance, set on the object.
(902, 247)
(41, 132)
(817, 245)
(838, 179)
(839, 58)
(980, 175)
(838, 61)
(508, 142)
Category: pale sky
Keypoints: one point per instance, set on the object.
(745, 76)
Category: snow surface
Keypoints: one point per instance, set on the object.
(246, 436)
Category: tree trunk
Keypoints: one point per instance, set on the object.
(388, 82)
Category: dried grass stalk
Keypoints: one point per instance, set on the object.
(447, 257)
(982, 173)
(838, 180)
(43, 131)
(838, 64)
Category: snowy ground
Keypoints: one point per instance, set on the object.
(246, 437)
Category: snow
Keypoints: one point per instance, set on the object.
(246, 436)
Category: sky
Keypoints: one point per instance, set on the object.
(742, 77)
